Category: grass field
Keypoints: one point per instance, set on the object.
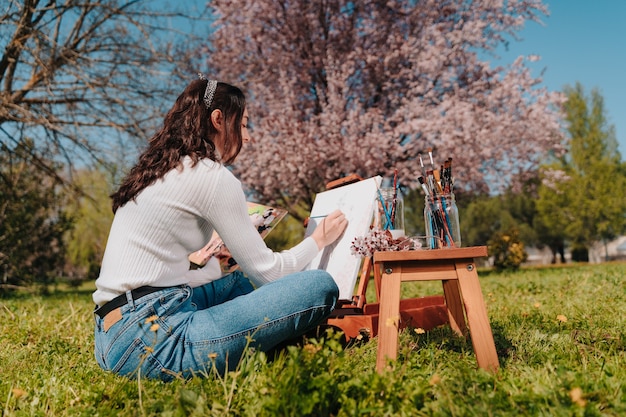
(560, 335)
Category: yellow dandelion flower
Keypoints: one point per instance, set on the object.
(151, 319)
(19, 393)
(392, 321)
(311, 349)
(435, 379)
(212, 355)
(576, 394)
(155, 327)
(419, 330)
(561, 318)
(537, 305)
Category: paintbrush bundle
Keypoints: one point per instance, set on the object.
(441, 216)
(391, 208)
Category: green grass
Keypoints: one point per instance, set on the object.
(560, 335)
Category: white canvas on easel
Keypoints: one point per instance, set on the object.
(358, 202)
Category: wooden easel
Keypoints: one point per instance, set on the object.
(358, 319)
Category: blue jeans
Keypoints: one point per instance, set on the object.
(180, 331)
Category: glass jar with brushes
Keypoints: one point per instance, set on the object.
(441, 218)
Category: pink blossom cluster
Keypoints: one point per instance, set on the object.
(377, 240)
(336, 87)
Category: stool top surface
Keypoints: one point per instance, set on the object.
(431, 254)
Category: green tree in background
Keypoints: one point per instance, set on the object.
(551, 220)
(92, 216)
(483, 216)
(583, 194)
(82, 84)
(502, 222)
(32, 220)
(414, 212)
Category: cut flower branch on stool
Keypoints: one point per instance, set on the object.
(378, 240)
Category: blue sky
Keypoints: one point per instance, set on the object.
(581, 41)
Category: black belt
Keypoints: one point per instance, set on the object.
(121, 300)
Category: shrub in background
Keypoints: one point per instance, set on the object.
(507, 250)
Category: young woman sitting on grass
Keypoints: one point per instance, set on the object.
(158, 318)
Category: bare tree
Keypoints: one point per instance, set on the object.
(338, 86)
(83, 78)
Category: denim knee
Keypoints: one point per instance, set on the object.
(324, 287)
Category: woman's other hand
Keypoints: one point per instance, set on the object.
(330, 229)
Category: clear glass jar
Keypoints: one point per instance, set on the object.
(441, 218)
(391, 212)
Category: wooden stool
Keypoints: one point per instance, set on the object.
(456, 269)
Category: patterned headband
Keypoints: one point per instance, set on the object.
(211, 86)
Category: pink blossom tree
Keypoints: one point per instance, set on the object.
(338, 87)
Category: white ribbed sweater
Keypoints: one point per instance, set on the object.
(151, 237)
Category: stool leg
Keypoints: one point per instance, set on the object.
(389, 317)
(477, 319)
(454, 305)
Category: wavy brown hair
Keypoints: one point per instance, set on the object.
(187, 131)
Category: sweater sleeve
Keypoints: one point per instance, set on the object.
(228, 213)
